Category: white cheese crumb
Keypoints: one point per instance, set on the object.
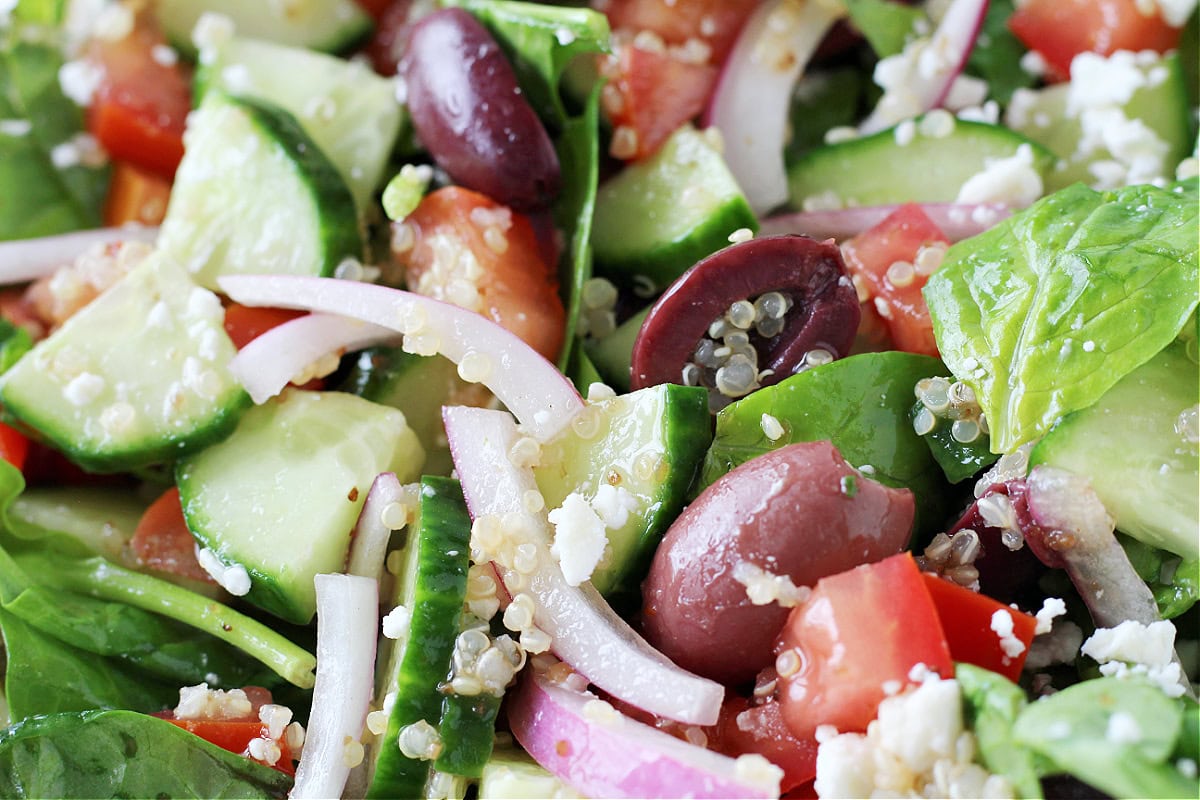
(15, 127)
(79, 81)
(754, 768)
(1012, 181)
(164, 55)
(1002, 625)
(613, 504)
(276, 718)
(579, 538)
(83, 389)
(1132, 649)
(1098, 81)
(232, 578)
(1051, 607)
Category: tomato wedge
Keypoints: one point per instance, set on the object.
(235, 736)
(895, 293)
(135, 195)
(967, 623)
(473, 252)
(14, 447)
(244, 324)
(162, 541)
(716, 23)
(744, 728)
(859, 631)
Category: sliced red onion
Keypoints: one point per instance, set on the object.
(750, 104)
(347, 628)
(25, 260)
(603, 753)
(530, 386)
(585, 632)
(957, 220)
(368, 547)
(268, 363)
(935, 64)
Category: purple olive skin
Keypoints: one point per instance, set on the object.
(470, 113)
(825, 313)
(786, 512)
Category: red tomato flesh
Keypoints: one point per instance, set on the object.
(163, 542)
(743, 728)
(1061, 29)
(869, 256)
(967, 623)
(859, 630)
(716, 23)
(14, 447)
(235, 736)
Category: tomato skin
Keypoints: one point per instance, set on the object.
(966, 618)
(513, 285)
(898, 237)
(14, 446)
(859, 630)
(235, 736)
(140, 108)
(763, 731)
(1061, 29)
(162, 541)
(714, 22)
(135, 195)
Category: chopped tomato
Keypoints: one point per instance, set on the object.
(140, 107)
(135, 195)
(475, 253)
(896, 294)
(235, 736)
(244, 324)
(649, 95)
(14, 447)
(1061, 29)
(743, 728)
(163, 542)
(859, 631)
(716, 23)
(967, 623)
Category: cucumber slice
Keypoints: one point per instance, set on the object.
(613, 354)
(254, 194)
(137, 377)
(878, 170)
(433, 586)
(514, 775)
(1161, 105)
(281, 494)
(1128, 444)
(648, 443)
(349, 111)
(331, 26)
(660, 216)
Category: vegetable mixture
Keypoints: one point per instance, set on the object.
(642, 398)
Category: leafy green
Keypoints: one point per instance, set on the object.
(958, 460)
(823, 100)
(36, 197)
(886, 25)
(1175, 583)
(541, 41)
(14, 343)
(826, 403)
(996, 56)
(40, 12)
(992, 704)
(1115, 735)
(1042, 314)
(110, 754)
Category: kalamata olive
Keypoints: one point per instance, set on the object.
(470, 114)
(786, 297)
(800, 511)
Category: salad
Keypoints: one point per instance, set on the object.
(636, 398)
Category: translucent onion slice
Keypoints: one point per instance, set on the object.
(25, 260)
(957, 220)
(530, 386)
(603, 753)
(347, 629)
(368, 547)
(268, 363)
(751, 101)
(585, 632)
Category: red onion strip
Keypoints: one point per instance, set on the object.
(751, 101)
(25, 260)
(368, 546)
(585, 631)
(530, 386)
(347, 629)
(602, 753)
(268, 363)
(958, 221)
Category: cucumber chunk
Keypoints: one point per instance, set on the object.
(137, 377)
(514, 775)
(879, 170)
(282, 493)
(1129, 445)
(660, 216)
(349, 111)
(613, 354)
(255, 194)
(649, 445)
(332, 26)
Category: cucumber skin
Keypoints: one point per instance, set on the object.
(442, 537)
(468, 732)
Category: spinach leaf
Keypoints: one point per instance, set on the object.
(991, 704)
(45, 676)
(1042, 314)
(36, 197)
(110, 754)
(958, 460)
(996, 57)
(1116, 735)
(14, 343)
(823, 100)
(826, 403)
(541, 41)
(886, 25)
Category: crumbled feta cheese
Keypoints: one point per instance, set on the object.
(164, 54)
(83, 389)
(276, 718)
(579, 538)
(613, 505)
(1051, 607)
(1098, 81)
(1138, 154)
(15, 127)
(1002, 625)
(1174, 12)
(79, 81)
(1012, 181)
(233, 578)
(966, 92)
(114, 22)
(212, 31)
(1134, 649)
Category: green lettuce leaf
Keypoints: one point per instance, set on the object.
(991, 704)
(1042, 314)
